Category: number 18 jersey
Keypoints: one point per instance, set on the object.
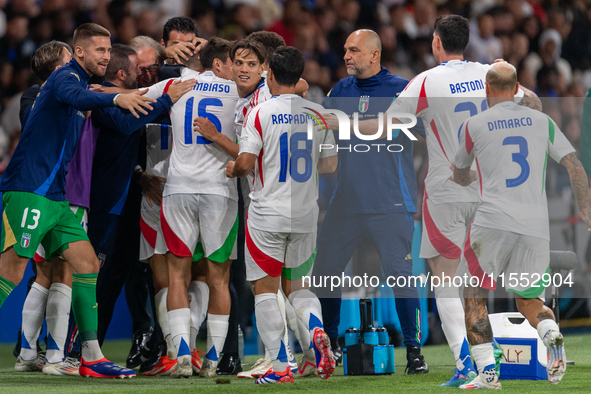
(197, 165)
(286, 183)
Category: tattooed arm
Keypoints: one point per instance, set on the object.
(579, 184)
(463, 176)
(530, 99)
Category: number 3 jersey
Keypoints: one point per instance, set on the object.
(285, 192)
(510, 145)
(197, 165)
(444, 97)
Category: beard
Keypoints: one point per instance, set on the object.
(355, 70)
(94, 68)
(130, 83)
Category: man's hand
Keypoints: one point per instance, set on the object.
(183, 50)
(178, 89)
(151, 187)
(135, 102)
(230, 169)
(97, 88)
(205, 128)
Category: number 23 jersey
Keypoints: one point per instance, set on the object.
(197, 165)
(286, 182)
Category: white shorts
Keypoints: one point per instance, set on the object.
(200, 225)
(522, 259)
(273, 254)
(82, 214)
(151, 238)
(444, 228)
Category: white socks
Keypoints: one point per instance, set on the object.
(199, 301)
(217, 329)
(544, 326)
(484, 356)
(179, 321)
(162, 316)
(59, 303)
(33, 313)
(451, 313)
(271, 328)
(307, 308)
(300, 331)
(91, 351)
(282, 303)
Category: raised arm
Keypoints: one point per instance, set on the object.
(530, 99)
(208, 130)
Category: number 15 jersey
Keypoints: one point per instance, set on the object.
(197, 165)
(510, 145)
(286, 183)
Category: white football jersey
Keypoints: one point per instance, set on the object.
(259, 95)
(197, 165)
(158, 148)
(510, 145)
(286, 183)
(444, 97)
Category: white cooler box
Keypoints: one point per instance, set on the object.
(524, 353)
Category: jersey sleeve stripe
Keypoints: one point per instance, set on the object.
(440, 242)
(423, 103)
(257, 125)
(474, 266)
(173, 242)
(436, 132)
(551, 130)
(469, 142)
(167, 86)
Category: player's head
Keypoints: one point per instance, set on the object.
(363, 50)
(501, 81)
(149, 54)
(270, 41)
(123, 68)
(215, 56)
(247, 58)
(179, 29)
(286, 66)
(49, 57)
(450, 36)
(92, 48)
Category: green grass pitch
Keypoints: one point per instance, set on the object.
(577, 378)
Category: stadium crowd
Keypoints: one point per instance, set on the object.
(544, 42)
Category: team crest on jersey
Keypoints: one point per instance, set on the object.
(102, 257)
(363, 103)
(25, 240)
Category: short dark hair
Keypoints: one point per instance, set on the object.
(216, 48)
(287, 64)
(47, 57)
(454, 32)
(119, 60)
(269, 39)
(251, 46)
(181, 24)
(87, 31)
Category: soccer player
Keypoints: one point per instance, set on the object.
(180, 40)
(375, 197)
(51, 293)
(510, 234)
(281, 225)
(35, 209)
(444, 97)
(199, 208)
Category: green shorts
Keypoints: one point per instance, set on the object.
(30, 219)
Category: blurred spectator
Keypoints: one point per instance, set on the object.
(549, 55)
(286, 26)
(484, 47)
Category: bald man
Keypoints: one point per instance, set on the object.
(509, 236)
(375, 197)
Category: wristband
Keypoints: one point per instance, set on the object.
(115, 99)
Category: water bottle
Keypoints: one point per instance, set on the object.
(240, 344)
